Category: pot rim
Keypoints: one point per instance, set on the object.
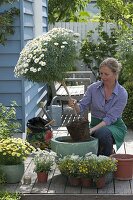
(122, 157)
(55, 139)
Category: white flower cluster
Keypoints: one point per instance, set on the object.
(32, 52)
(37, 54)
(71, 157)
(44, 154)
(90, 155)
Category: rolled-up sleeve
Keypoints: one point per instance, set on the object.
(85, 102)
(117, 108)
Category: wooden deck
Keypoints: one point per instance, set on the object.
(57, 186)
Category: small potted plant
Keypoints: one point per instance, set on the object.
(68, 166)
(44, 161)
(101, 166)
(13, 152)
(87, 170)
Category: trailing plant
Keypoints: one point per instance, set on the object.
(7, 1)
(8, 121)
(9, 196)
(6, 21)
(2, 177)
(93, 51)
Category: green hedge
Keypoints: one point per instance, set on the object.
(128, 111)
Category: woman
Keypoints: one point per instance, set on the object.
(107, 100)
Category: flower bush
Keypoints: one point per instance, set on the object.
(43, 160)
(68, 165)
(47, 57)
(14, 151)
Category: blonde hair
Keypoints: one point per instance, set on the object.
(113, 64)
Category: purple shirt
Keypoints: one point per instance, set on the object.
(109, 110)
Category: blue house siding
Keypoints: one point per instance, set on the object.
(44, 17)
(27, 94)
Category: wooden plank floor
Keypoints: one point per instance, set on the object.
(57, 186)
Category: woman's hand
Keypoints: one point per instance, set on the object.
(91, 131)
(101, 124)
(72, 103)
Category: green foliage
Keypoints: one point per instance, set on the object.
(6, 21)
(128, 111)
(47, 57)
(62, 10)
(8, 122)
(117, 11)
(93, 52)
(125, 54)
(9, 196)
(2, 177)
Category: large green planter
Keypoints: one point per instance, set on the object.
(13, 173)
(65, 146)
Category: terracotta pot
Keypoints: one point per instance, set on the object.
(74, 181)
(124, 166)
(100, 183)
(86, 182)
(42, 177)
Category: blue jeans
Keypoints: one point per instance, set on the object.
(106, 141)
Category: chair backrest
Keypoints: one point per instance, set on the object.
(76, 81)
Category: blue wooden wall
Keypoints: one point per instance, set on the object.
(25, 93)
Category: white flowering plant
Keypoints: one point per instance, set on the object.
(47, 57)
(89, 166)
(43, 160)
(68, 165)
(14, 151)
(97, 166)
